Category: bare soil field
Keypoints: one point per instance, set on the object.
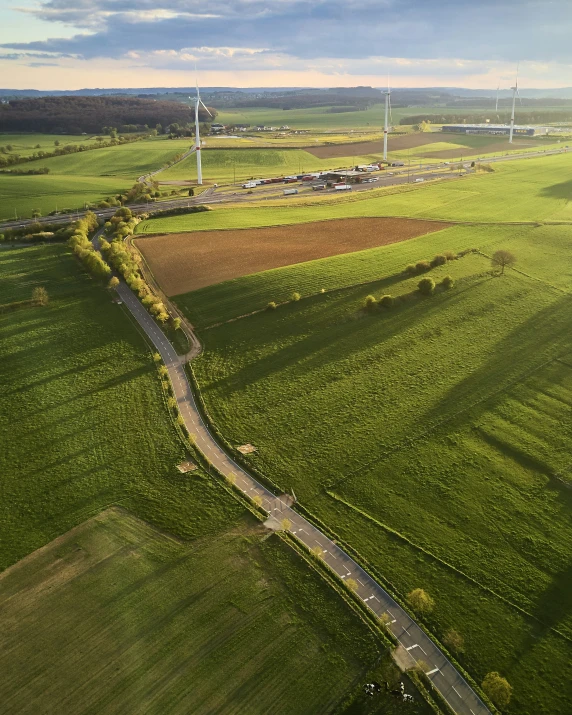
(493, 147)
(182, 262)
(405, 141)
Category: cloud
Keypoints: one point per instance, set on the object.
(332, 36)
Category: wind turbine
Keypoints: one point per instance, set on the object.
(514, 93)
(198, 102)
(497, 103)
(386, 123)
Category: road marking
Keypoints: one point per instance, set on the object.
(411, 647)
(435, 670)
(458, 693)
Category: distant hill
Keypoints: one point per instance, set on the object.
(93, 115)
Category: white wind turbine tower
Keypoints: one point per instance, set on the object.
(386, 123)
(514, 93)
(198, 102)
(497, 103)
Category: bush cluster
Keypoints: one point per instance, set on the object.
(414, 269)
(83, 248)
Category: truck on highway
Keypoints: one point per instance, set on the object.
(249, 185)
(289, 192)
(342, 187)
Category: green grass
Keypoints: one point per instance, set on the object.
(21, 195)
(536, 189)
(26, 144)
(128, 161)
(433, 437)
(117, 617)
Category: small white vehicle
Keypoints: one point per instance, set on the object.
(418, 181)
(249, 185)
(343, 187)
(289, 192)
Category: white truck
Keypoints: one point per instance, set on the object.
(249, 185)
(289, 192)
(342, 187)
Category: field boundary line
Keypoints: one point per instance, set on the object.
(444, 563)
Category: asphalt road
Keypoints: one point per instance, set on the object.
(447, 680)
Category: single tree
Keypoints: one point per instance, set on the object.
(156, 357)
(272, 305)
(171, 402)
(447, 282)
(113, 283)
(163, 371)
(386, 301)
(191, 192)
(501, 259)
(498, 689)
(40, 296)
(177, 323)
(370, 302)
(421, 601)
(286, 524)
(296, 296)
(317, 551)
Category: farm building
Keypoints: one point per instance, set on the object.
(493, 129)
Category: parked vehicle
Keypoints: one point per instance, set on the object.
(318, 187)
(397, 163)
(289, 192)
(417, 181)
(290, 180)
(249, 185)
(342, 187)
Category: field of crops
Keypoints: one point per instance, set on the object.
(444, 420)
(117, 617)
(536, 189)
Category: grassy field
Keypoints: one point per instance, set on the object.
(115, 616)
(27, 144)
(21, 195)
(323, 119)
(433, 437)
(536, 189)
(127, 161)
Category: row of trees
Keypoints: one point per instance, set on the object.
(83, 248)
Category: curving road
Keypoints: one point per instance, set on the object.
(444, 676)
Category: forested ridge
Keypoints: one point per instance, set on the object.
(93, 115)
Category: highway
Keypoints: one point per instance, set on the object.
(424, 652)
(401, 175)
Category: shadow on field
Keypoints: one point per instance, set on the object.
(331, 341)
(539, 340)
(562, 190)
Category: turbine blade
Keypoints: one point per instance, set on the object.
(207, 109)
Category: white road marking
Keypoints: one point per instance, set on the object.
(458, 693)
(435, 670)
(411, 647)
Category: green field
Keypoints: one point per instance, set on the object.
(21, 195)
(536, 189)
(115, 614)
(433, 437)
(27, 144)
(118, 617)
(128, 161)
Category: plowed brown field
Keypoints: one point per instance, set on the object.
(182, 262)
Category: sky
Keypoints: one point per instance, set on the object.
(74, 44)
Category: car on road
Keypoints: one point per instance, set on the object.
(417, 181)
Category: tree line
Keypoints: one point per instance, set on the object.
(75, 115)
(503, 117)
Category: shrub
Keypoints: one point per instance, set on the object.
(422, 266)
(447, 282)
(439, 260)
(386, 301)
(370, 302)
(296, 296)
(113, 282)
(272, 305)
(421, 601)
(40, 296)
(426, 286)
(454, 640)
(450, 256)
(497, 688)
(411, 269)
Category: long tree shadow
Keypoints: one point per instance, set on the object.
(329, 343)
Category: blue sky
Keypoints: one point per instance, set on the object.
(77, 43)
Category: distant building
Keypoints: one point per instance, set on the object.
(217, 128)
(498, 129)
